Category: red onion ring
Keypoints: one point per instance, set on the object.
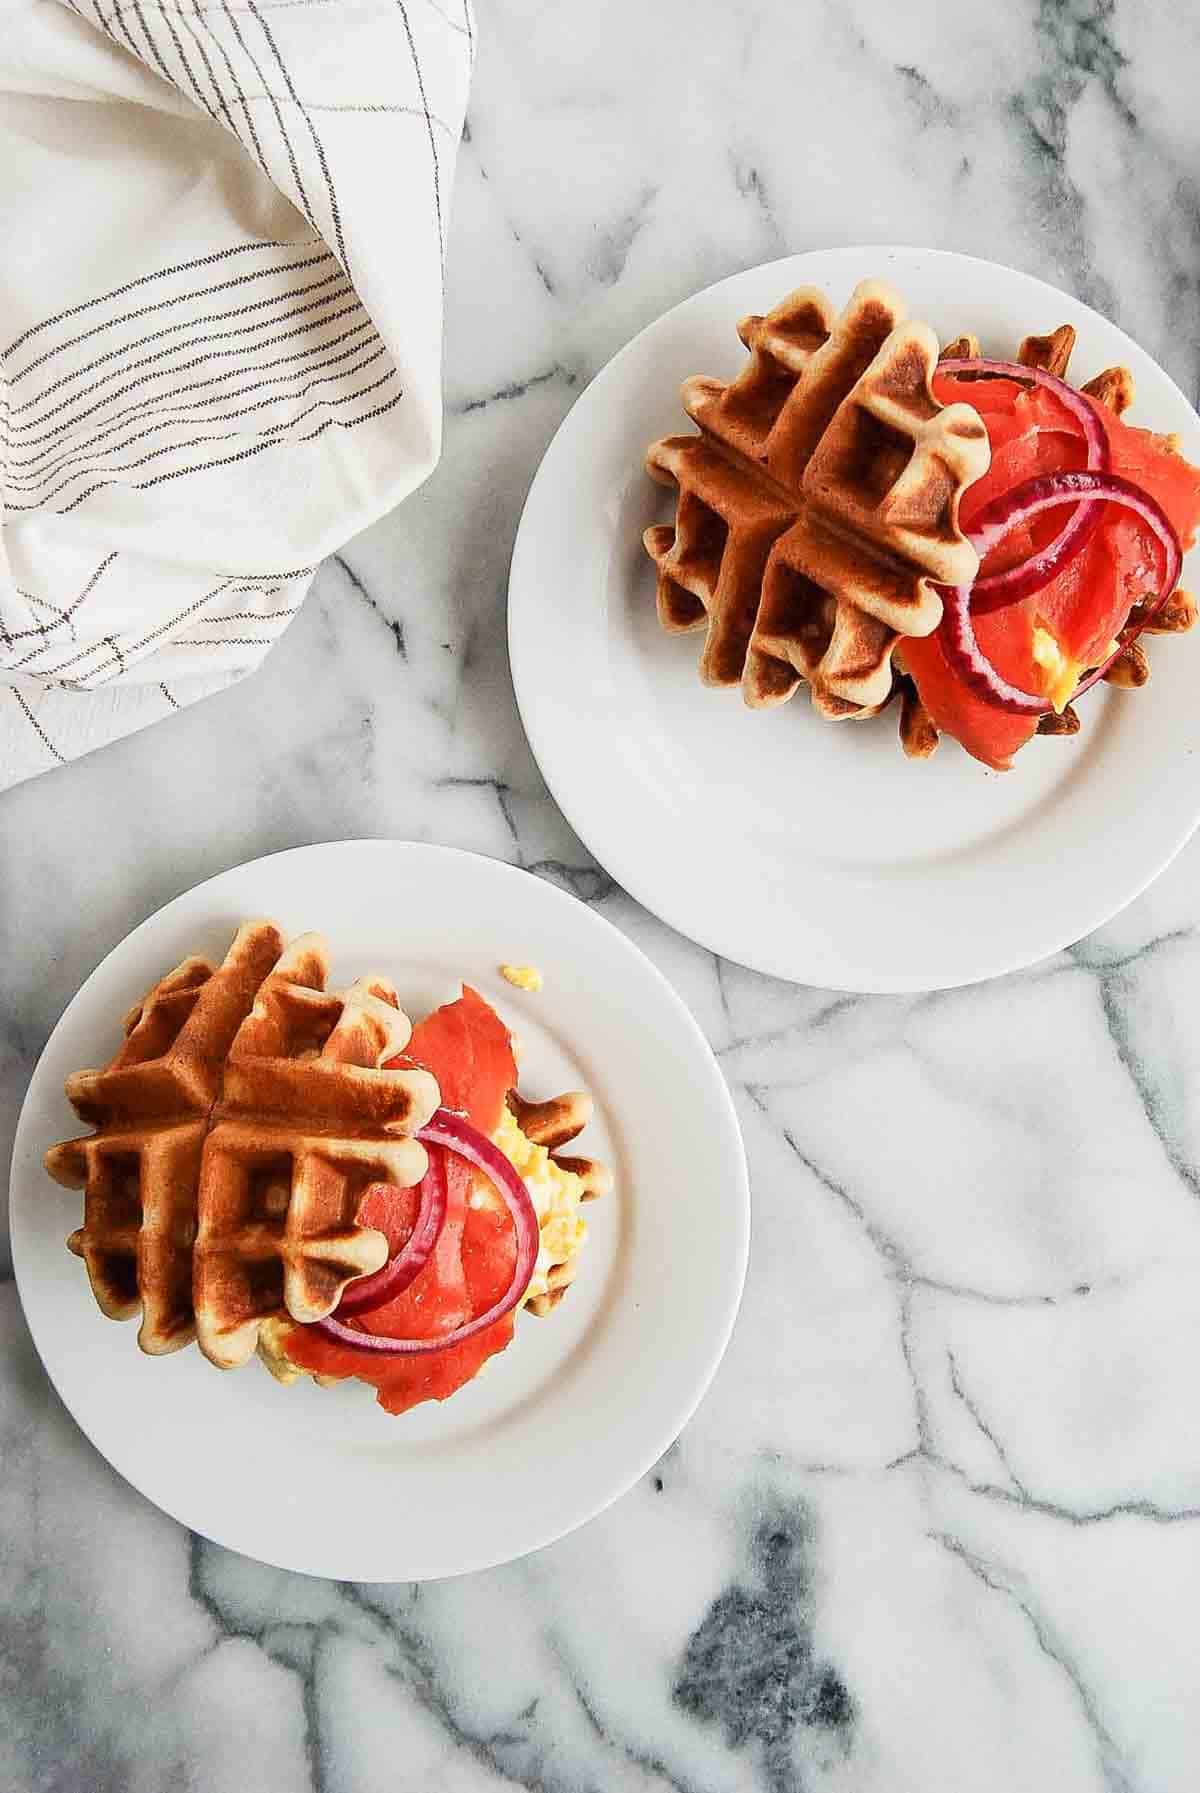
(366, 1293)
(458, 1135)
(995, 590)
(1024, 501)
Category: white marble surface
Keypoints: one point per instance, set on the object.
(937, 1525)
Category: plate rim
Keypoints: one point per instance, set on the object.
(739, 1220)
(618, 862)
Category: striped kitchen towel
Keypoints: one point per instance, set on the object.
(222, 226)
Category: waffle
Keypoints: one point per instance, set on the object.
(817, 508)
(1114, 388)
(236, 1130)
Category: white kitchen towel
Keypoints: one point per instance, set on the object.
(222, 236)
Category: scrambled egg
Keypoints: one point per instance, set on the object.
(272, 1350)
(523, 977)
(556, 1195)
(1062, 675)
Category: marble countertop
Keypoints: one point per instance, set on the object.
(937, 1525)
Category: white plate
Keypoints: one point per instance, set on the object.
(582, 1403)
(812, 851)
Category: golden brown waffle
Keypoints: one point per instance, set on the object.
(818, 507)
(1051, 353)
(237, 1129)
(1114, 388)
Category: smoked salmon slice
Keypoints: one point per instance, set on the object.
(469, 1050)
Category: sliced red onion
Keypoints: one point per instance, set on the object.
(458, 1135)
(995, 590)
(366, 1293)
(1028, 500)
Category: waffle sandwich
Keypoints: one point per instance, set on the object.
(254, 1139)
(817, 536)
